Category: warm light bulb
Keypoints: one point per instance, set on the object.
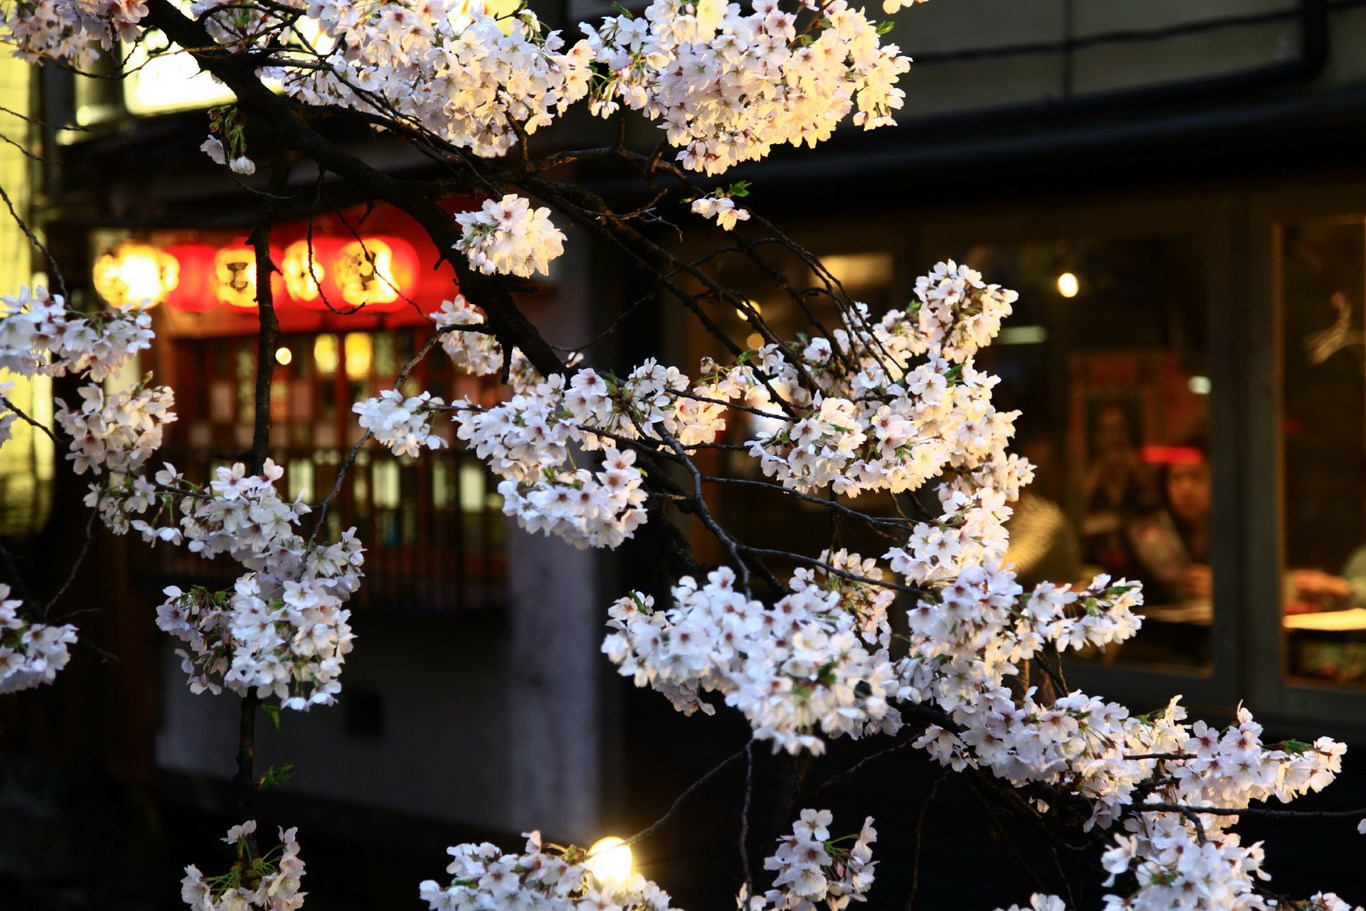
(754, 308)
(610, 860)
(1068, 286)
(283, 356)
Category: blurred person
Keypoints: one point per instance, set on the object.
(1117, 486)
(1172, 543)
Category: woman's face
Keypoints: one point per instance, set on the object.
(1188, 491)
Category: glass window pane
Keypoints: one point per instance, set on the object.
(1323, 269)
(1105, 358)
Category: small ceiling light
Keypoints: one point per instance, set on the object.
(754, 340)
(609, 860)
(1068, 286)
(1199, 385)
(283, 356)
(136, 274)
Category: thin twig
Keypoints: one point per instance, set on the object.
(678, 801)
(76, 566)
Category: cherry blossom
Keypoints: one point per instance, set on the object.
(404, 425)
(31, 653)
(549, 877)
(813, 868)
(509, 237)
(721, 208)
(268, 883)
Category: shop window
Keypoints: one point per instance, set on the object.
(1322, 289)
(1105, 358)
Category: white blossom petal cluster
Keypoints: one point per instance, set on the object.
(814, 869)
(1179, 863)
(728, 84)
(885, 405)
(1038, 901)
(40, 336)
(402, 424)
(115, 432)
(816, 660)
(543, 877)
(508, 237)
(722, 208)
(31, 653)
(267, 883)
(476, 353)
(70, 31)
(282, 631)
(529, 441)
(889, 7)
(471, 79)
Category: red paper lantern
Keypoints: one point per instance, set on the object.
(234, 276)
(309, 271)
(193, 288)
(377, 271)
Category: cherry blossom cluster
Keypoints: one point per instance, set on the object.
(508, 237)
(31, 653)
(816, 660)
(269, 883)
(544, 877)
(1039, 901)
(957, 313)
(402, 424)
(720, 207)
(473, 80)
(813, 868)
(218, 154)
(1176, 860)
(895, 403)
(282, 631)
(71, 31)
(40, 336)
(529, 441)
(475, 352)
(729, 84)
(115, 432)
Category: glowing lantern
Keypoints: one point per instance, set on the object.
(234, 276)
(377, 272)
(193, 288)
(309, 269)
(134, 273)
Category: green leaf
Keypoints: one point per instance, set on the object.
(885, 27)
(273, 713)
(275, 776)
(739, 189)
